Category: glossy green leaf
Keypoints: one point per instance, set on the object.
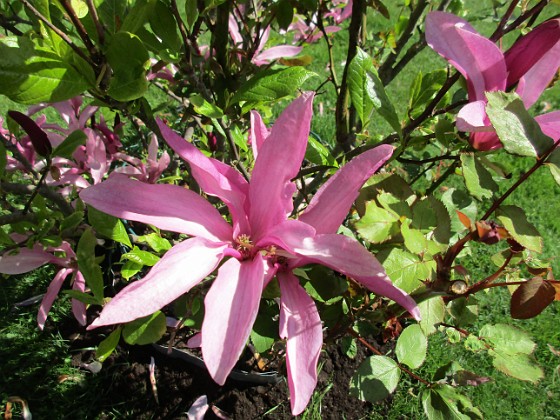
(146, 330)
(191, 10)
(30, 73)
(443, 402)
(70, 144)
(515, 222)
(454, 200)
(203, 107)
(394, 204)
(140, 257)
(375, 379)
(324, 284)
(164, 26)
(270, 85)
(318, 153)
(138, 15)
(88, 265)
(130, 268)
(424, 88)
(517, 129)
(377, 223)
(111, 13)
(464, 311)
(478, 180)
(265, 328)
(81, 296)
(412, 346)
(414, 240)
(72, 221)
(108, 226)
(423, 216)
(156, 242)
(367, 91)
(406, 270)
(127, 57)
(349, 346)
(108, 345)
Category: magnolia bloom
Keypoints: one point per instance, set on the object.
(531, 63)
(261, 243)
(26, 260)
(147, 172)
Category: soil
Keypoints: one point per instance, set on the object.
(125, 383)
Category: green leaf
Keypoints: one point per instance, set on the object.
(146, 330)
(349, 346)
(203, 107)
(164, 26)
(412, 346)
(553, 163)
(3, 159)
(318, 153)
(443, 402)
(375, 379)
(515, 222)
(271, 85)
(130, 268)
(191, 10)
(464, 311)
(88, 265)
(30, 73)
(394, 204)
(140, 257)
(156, 242)
(478, 180)
(127, 57)
(423, 216)
(81, 296)
(377, 223)
(70, 144)
(108, 345)
(324, 284)
(517, 129)
(367, 91)
(507, 338)
(433, 313)
(108, 226)
(265, 328)
(458, 200)
(414, 240)
(138, 16)
(111, 12)
(406, 270)
(519, 366)
(424, 88)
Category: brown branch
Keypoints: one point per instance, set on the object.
(95, 17)
(23, 189)
(80, 29)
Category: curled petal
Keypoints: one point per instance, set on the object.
(349, 257)
(231, 308)
(279, 161)
(50, 296)
(472, 118)
(182, 267)
(301, 326)
(24, 261)
(273, 53)
(79, 308)
(169, 207)
(198, 409)
(214, 177)
(477, 58)
(332, 202)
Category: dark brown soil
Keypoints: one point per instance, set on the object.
(125, 384)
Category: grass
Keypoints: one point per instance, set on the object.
(35, 364)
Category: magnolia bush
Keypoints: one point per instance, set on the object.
(164, 159)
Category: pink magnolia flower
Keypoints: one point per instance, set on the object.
(531, 63)
(260, 243)
(147, 172)
(26, 260)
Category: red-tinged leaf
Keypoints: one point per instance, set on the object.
(38, 137)
(464, 219)
(556, 285)
(531, 298)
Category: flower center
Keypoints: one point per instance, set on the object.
(244, 245)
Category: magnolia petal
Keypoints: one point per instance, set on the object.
(231, 307)
(50, 296)
(279, 161)
(273, 53)
(301, 325)
(287, 235)
(485, 141)
(169, 207)
(79, 308)
(530, 49)
(537, 79)
(472, 118)
(198, 409)
(550, 124)
(258, 134)
(182, 267)
(330, 205)
(349, 257)
(96, 156)
(214, 177)
(477, 58)
(24, 261)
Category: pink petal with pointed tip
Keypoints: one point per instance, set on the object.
(472, 118)
(79, 308)
(349, 257)
(195, 341)
(233, 29)
(331, 204)
(96, 156)
(169, 207)
(24, 261)
(550, 124)
(214, 177)
(50, 296)
(258, 134)
(477, 58)
(537, 79)
(301, 326)
(280, 157)
(182, 267)
(273, 53)
(287, 235)
(231, 307)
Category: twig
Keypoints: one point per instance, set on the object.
(95, 17)
(22, 189)
(80, 28)
(332, 69)
(17, 217)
